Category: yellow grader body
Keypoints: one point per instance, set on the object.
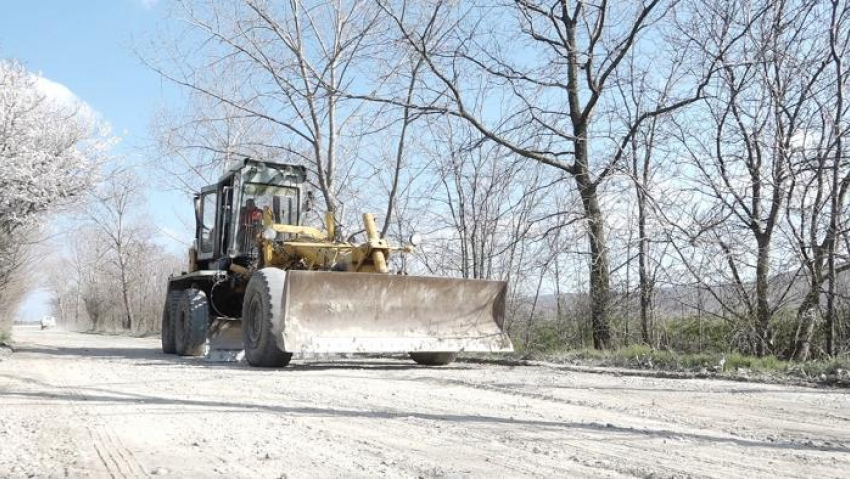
(304, 292)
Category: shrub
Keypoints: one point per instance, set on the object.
(734, 361)
(834, 366)
(695, 334)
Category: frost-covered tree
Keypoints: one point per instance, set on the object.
(48, 150)
(49, 153)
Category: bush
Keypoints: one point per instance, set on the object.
(834, 366)
(545, 336)
(695, 334)
(735, 361)
(717, 335)
(644, 357)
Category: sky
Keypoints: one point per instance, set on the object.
(86, 49)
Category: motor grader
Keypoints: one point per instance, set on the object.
(262, 286)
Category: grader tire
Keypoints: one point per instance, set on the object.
(433, 359)
(262, 308)
(192, 322)
(169, 312)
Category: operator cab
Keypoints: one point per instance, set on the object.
(229, 214)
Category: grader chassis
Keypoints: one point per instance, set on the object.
(262, 283)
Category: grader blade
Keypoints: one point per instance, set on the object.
(332, 312)
(224, 341)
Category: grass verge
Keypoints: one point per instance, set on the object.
(834, 371)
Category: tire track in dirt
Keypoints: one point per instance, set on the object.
(478, 441)
(118, 460)
(630, 412)
(148, 398)
(624, 454)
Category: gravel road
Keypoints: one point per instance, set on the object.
(81, 405)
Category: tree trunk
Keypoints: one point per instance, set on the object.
(806, 315)
(600, 289)
(830, 308)
(762, 301)
(125, 294)
(530, 325)
(643, 276)
(559, 310)
(837, 199)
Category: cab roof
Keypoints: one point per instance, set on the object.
(297, 170)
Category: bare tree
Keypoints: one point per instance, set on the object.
(646, 160)
(817, 193)
(113, 211)
(283, 67)
(766, 85)
(839, 46)
(408, 115)
(528, 48)
(91, 295)
(195, 143)
(488, 200)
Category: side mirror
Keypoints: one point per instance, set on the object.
(197, 201)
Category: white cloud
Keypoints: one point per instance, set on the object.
(57, 92)
(64, 97)
(148, 4)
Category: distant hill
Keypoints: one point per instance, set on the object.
(787, 289)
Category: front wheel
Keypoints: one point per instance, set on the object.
(433, 359)
(190, 329)
(262, 309)
(169, 314)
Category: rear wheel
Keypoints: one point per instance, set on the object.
(262, 309)
(190, 329)
(169, 312)
(433, 359)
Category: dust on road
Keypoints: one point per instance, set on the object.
(80, 405)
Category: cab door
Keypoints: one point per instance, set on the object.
(206, 222)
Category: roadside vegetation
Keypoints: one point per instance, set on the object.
(829, 371)
(693, 350)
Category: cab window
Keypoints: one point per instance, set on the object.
(282, 201)
(208, 209)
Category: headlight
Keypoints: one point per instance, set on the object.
(269, 234)
(415, 239)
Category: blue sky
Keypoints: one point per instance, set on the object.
(88, 46)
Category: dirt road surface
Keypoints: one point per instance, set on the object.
(79, 405)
